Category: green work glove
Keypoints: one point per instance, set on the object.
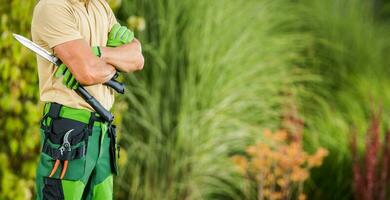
(69, 81)
(119, 35)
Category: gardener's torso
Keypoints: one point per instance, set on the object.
(77, 21)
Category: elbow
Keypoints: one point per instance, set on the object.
(136, 64)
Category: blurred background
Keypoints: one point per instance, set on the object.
(243, 99)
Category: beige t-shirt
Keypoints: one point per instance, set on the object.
(58, 21)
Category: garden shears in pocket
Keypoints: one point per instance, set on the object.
(64, 147)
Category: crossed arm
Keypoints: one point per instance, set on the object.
(89, 69)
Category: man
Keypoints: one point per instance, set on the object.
(78, 147)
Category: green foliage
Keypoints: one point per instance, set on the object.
(18, 103)
(348, 53)
(213, 79)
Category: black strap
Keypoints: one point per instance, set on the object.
(92, 120)
(111, 129)
(55, 153)
(114, 148)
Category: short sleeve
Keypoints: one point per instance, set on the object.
(55, 24)
(110, 14)
(111, 18)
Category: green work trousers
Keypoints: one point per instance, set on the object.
(88, 173)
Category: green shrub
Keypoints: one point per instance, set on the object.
(19, 108)
(348, 54)
(18, 103)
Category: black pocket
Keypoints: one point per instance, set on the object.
(52, 189)
(52, 150)
(62, 125)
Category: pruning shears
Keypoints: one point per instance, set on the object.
(64, 147)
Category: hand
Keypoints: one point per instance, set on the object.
(125, 58)
(119, 35)
(69, 81)
(97, 52)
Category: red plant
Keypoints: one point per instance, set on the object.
(385, 165)
(371, 180)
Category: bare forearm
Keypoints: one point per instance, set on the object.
(126, 58)
(87, 68)
(96, 71)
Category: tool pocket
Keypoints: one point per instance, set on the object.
(64, 140)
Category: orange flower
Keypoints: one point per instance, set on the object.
(267, 134)
(301, 158)
(278, 171)
(317, 158)
(266, 192)
(321, 152)
(280, 136)
(294, 149)
(278, 162)
(251, 150)
(241, 163)
(299, 175)
(270, 178)
(276, 195)
(259, 164)
(263, 148)
(302, 196)
(282, 182)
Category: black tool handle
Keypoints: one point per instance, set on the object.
(107, 115)
(116, 85)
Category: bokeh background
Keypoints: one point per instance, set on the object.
(243, 99)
